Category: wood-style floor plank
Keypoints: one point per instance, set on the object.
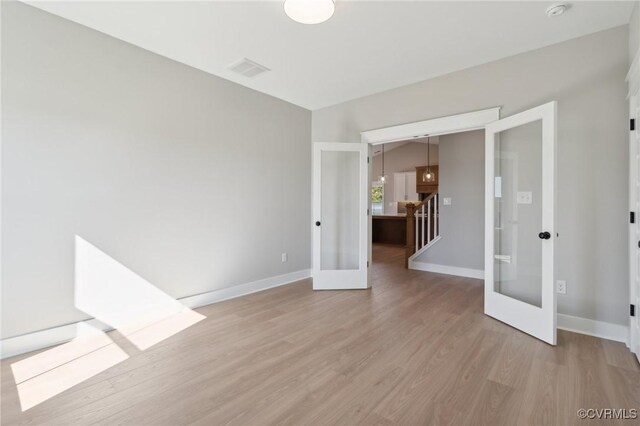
(414, 349)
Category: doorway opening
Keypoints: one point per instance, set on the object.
(405, 176)
(519, 162)
(404, 198)
(343, 172)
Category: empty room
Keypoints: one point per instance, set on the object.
(319, 212)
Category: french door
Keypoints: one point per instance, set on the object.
(340, 216)
(519, 221)
(634, 207)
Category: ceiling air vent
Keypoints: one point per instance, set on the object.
(248, 68)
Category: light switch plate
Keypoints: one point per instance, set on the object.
(446, 201)
(284, 257)
(524, 197)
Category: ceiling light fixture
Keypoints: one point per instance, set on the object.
(557, 9)
(309, 11)
(428, 175)
(383, 178)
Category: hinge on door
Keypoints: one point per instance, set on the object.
(367, 160)
(632, 217)
(632, 124)
(632, 310)
(367, 263)
(367, 212)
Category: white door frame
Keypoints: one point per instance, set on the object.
(433, 127)
(476, 120)
(633, 81)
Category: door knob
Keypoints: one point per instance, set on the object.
(318, 223)
(544, 235)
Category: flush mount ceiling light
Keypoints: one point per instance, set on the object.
(309, 11)
(557, 9)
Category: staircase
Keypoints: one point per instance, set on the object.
(423, 229)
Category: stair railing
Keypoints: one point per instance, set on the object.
(422, 224)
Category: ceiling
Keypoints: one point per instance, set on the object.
(377, 149)
(365, 48)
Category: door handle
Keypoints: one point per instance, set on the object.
(544, 235)
(318, 223)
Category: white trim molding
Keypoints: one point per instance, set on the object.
(433, 127)
(446, 269)
(45, 338)
(54, 336)
(216, 296)
(601, 329)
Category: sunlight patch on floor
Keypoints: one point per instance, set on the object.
(51, 372)
(113, 294)
(163, 329)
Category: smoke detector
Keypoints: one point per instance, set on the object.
(557, 9)
(248, 68)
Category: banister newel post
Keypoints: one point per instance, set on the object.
(411, 243)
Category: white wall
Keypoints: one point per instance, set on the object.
(404, 158)
(586, 77)
(634, 32)
(191, 181)
(461, 223)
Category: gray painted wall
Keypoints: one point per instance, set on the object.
(586, 77)
(462, 222)
(191, 181)
(634, 32)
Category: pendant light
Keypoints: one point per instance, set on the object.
(309, 11)
(383, 178)
(428, 175)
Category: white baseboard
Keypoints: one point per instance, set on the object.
(448, 270)
(604, 330)
(44, 338)
(243, 289)
(54, 336)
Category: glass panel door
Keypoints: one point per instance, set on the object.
(519, 232)
(518, 213)
(340, 223)
(339, 210)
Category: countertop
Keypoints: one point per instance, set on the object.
(389, 216)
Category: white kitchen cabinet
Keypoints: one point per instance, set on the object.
(398, 187)
(404, 187)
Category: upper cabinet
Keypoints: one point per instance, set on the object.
(423, 184)
(404, 187)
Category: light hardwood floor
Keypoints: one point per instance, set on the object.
(416, 349)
